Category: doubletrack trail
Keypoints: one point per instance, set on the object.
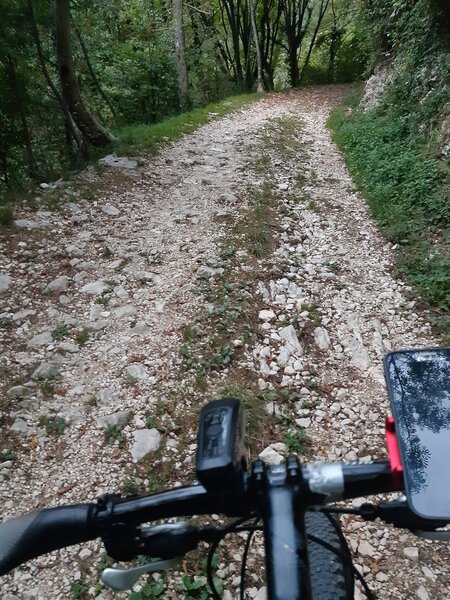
(102, 294)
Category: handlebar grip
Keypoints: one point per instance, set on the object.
(43, 531)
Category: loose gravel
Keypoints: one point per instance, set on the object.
(94, 297)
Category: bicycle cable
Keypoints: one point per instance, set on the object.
(236, 528)
(233, 528)
(248, 541)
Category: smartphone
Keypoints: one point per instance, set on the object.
(418, 383)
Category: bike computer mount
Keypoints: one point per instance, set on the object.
(220, 461)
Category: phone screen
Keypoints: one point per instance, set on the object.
(418, 384)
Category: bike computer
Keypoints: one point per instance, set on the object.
(418, 383)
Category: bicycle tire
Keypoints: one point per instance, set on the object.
(331, 576)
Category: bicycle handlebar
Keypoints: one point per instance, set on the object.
(38, 533)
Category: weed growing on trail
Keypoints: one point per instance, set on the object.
(61, 332)
(258, 222)
(103, 300)
(254, 403)
(131, 487)
(79, 588)
(82, 337)
(152, 590)
(53, 425)
(196, 587)
(281, 137)
(7, 454)
(295, 439)
(115, 435)
(47, 388)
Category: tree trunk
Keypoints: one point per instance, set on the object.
(334, 44)
(101, 91)
(259, 76)
(322, 10)
(180, 55)
(297, 16)
(293, 67)
(232, 11)
(96, 134)
(68, 121)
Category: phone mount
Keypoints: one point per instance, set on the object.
(220, 461)
(418, 384)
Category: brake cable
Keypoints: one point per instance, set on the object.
(236, 528)
(248, 541)
(233, 528)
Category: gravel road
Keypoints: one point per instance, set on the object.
(96, 296)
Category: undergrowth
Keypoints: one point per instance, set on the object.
(407, 187)
(398, 151)
(148, 138)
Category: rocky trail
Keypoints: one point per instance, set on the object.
(240, 258)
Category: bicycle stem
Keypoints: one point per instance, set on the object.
(283, 502)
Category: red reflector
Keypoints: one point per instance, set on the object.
(395, 460)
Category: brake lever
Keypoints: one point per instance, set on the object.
(124, 579)
(399, 514)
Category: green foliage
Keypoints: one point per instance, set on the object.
(82, 337)
(152, 590)
(6, 215)
(196, 587)
(7, 455)
(254, 403)
(115, 435)
(395, 150)
(61, 332)
(295, 439)
(224, 355)
(349, 64)
(79, 588)
(138, 138)
(47, 388)
(53, 425)
(131, 487)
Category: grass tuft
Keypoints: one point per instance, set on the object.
(6, 215)
(149, 138)
(254, 402)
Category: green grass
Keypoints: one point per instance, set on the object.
(254, 403)
(82, 337)
(407, 188)
(6, 214)
(258, 222)
(148, 138)
(79, 588)
(295, 439)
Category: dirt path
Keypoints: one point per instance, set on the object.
(102, 295)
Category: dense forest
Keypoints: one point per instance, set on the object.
(72, 74)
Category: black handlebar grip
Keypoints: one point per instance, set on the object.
(40, 532)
